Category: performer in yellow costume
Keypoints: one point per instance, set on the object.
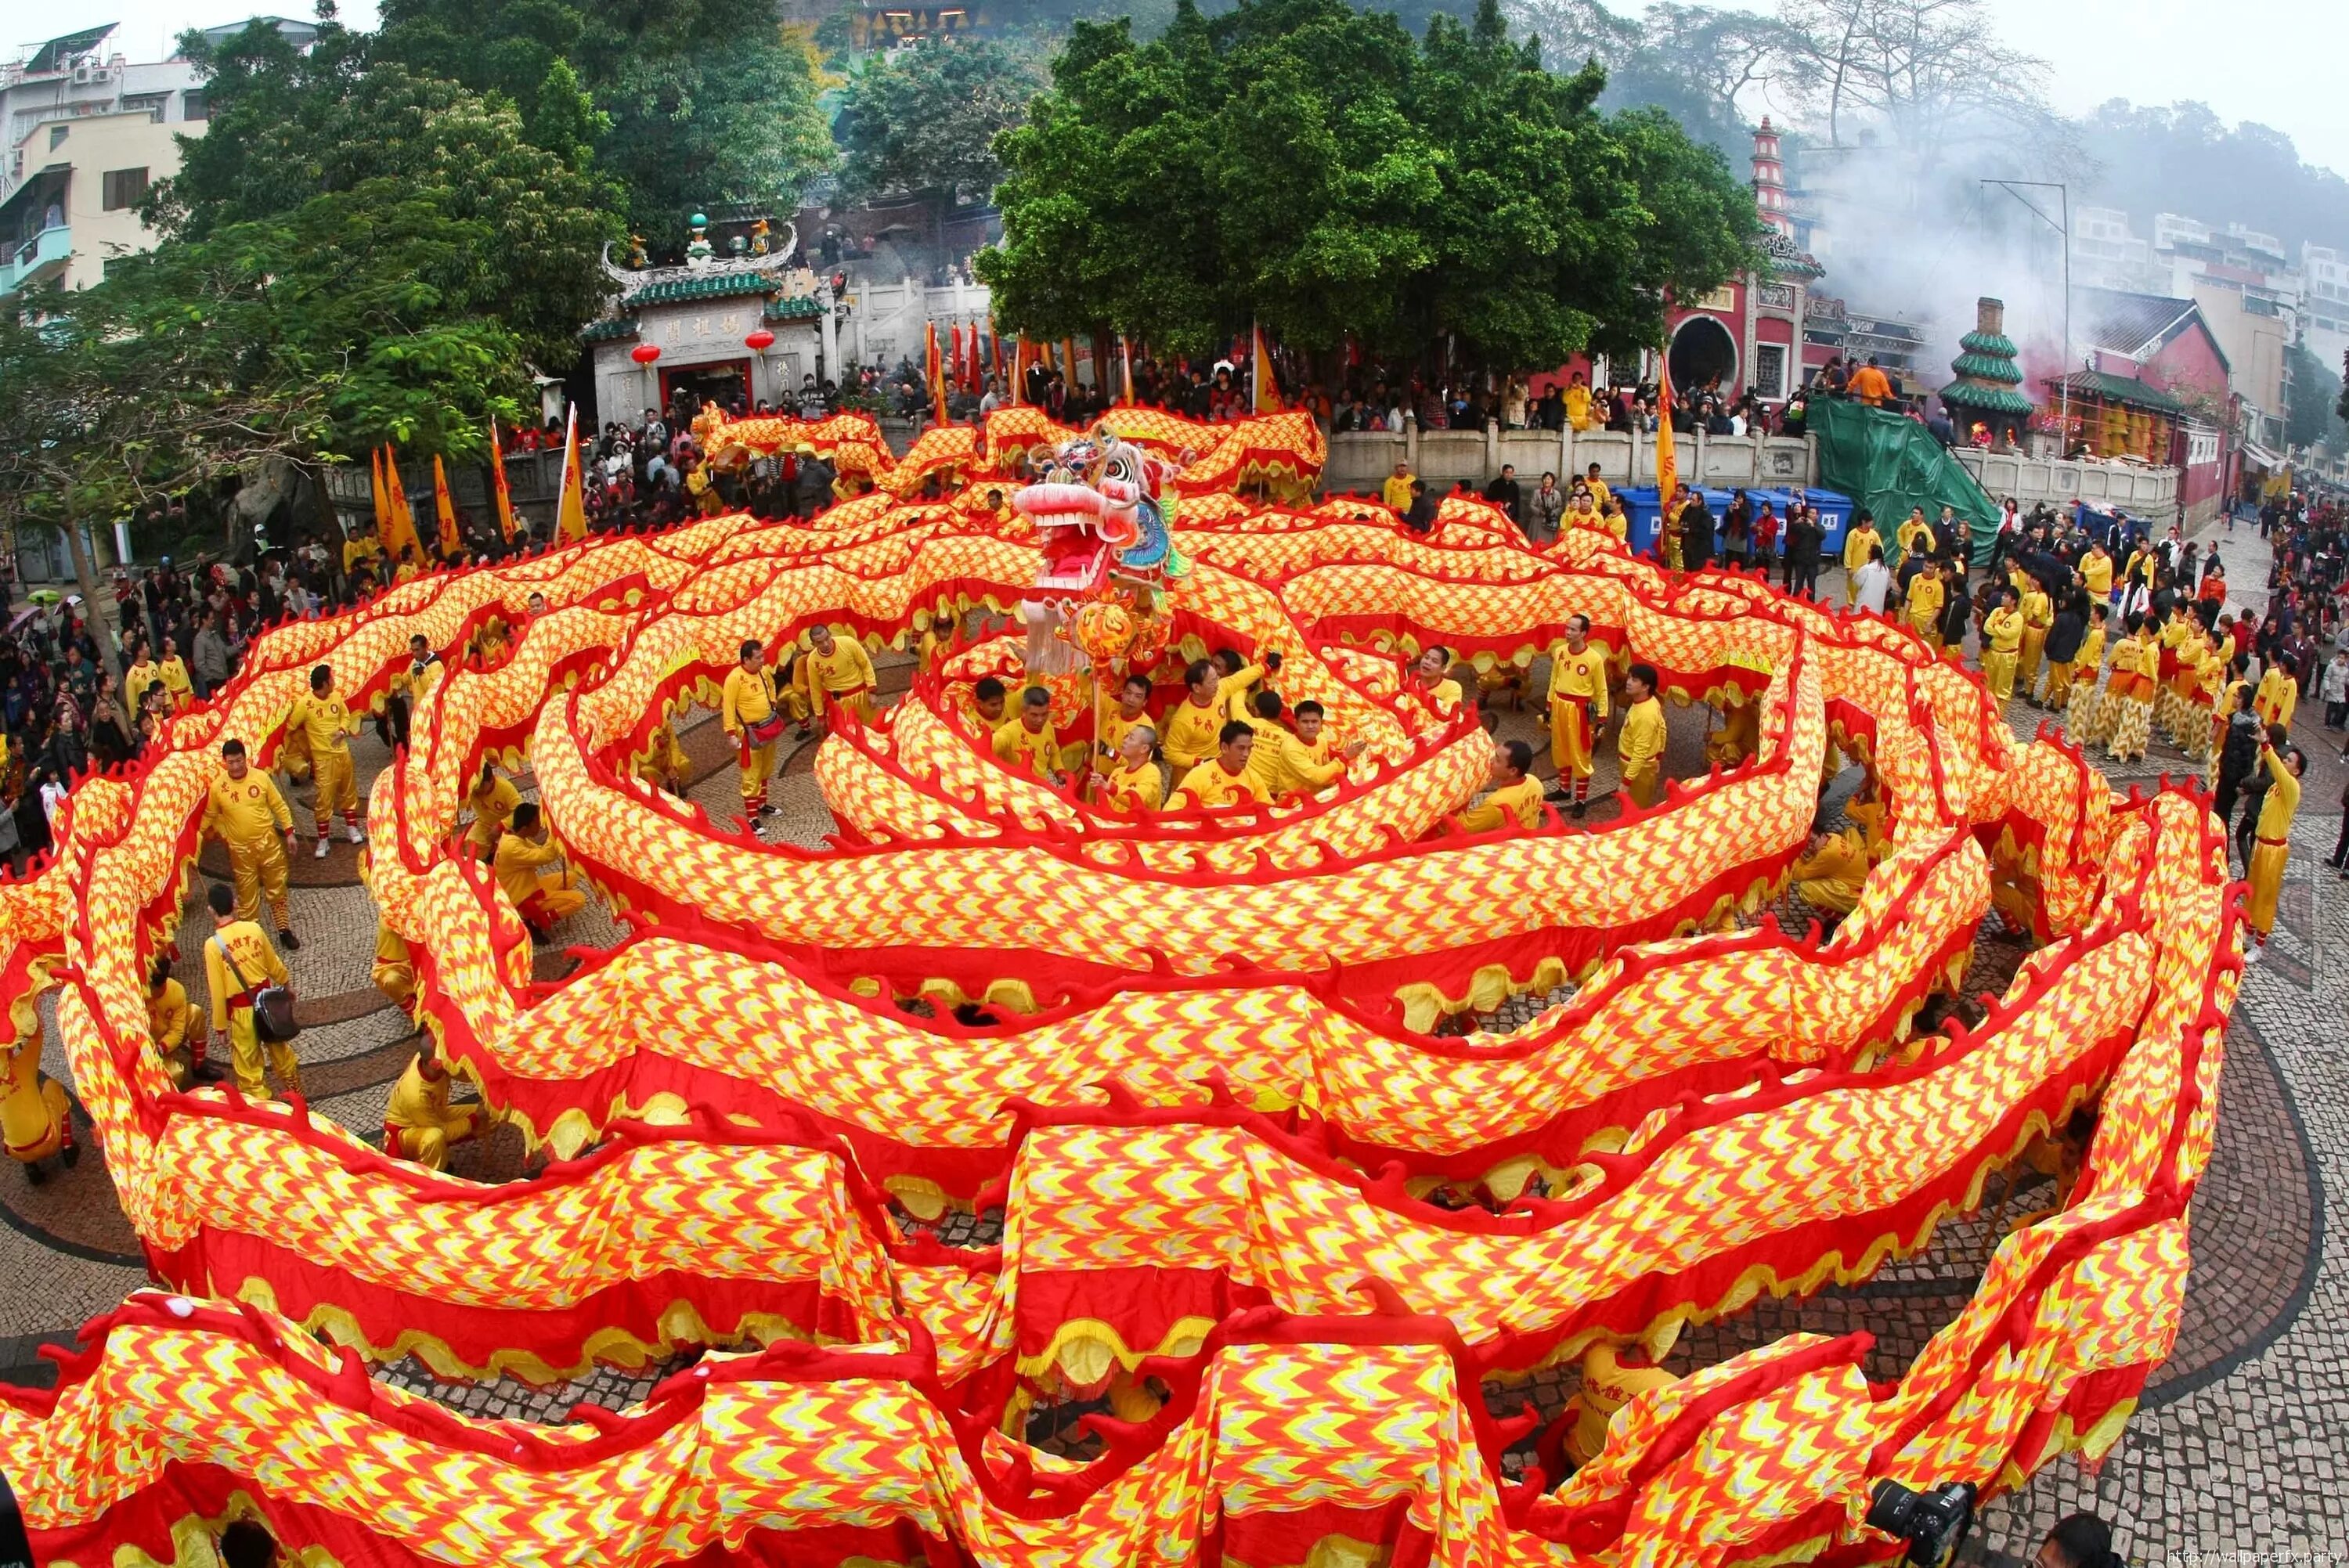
(1516, 796)
(1831, 872)
(327, 724)
(2083, 711)
(1280, 762)
(1578, 710)
(836, 673)
(2125, 719)
(1028, 743)
(394, 970)
(1133, 710)
(1914, 538)
(174, 671)
(1639, 748)
(1193, 724)
(137, 677)
(2038, 616)
(1133, 786)
(525, 862)
(419, 1119)
(2265, 872)
(1925, 599)
(247, 814)
(2001, 640)
(664, 765)
(2097, 574)
(1857, 545)
(171, 1024)
(34, 1121)
(493, 799)
(2277, 696)
(238, 962)
(747, 709)
(1224, 779)
(1431, 677)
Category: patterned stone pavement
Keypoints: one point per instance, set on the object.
(2239, 1447)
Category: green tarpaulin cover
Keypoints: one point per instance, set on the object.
(1889, 463)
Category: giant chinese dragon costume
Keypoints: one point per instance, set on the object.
(1209, 1106)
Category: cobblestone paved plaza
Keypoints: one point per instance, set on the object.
(2240, 1446)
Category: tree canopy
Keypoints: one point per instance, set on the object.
(1298, 163)
(687, 104)
(924, 119)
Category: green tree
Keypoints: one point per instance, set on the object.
(689, 104)
(288, 129)
(1298, 163)
(924, 120)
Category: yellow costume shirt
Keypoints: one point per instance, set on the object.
(241, 810)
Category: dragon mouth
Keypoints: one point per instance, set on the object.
(1072, 529)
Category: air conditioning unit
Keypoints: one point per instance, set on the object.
(84, 72)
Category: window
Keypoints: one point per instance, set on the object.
(121, 188)
(1770, 369)
(192, 105)
(151, 104)
(56, 136)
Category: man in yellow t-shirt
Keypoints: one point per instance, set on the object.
(1224, 779)
(1396, 492)
(1639, 746)
(836, 673)
(238, 962)
(394, 969)
(2278, 696)
(1133, 708)
(420, 1123)
(327, 724)
(141, 672)
(1280, 762)
(246, 813)
(1028, 744)
(1597, 487)
(664, 765)
(1925, 600)
(2002, 644)
(1857, 544)
(2097, 574)
(1133, 786)
(747, 711)
(1577, 711)
(1189, 735)
(1831, 873)
(1431, 677)
(526, 869)
(1516, 794)
(493, 799)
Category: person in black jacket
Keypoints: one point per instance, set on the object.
(2239, 753)
(2064, 634)
(1696, 535)
(1804, 537)
(1508, 495)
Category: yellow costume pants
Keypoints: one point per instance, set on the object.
(396, 978)
(1828, 895)
(2027, 659)
(1998, 673)
(32, 1107)
(258, 870)
(1570, 737)
(337, 784)
(2131, 727)
(1645, 788)
(2265, 874)
(758, 765)
(2059, 683)
(429, 1146)
(246, 1047)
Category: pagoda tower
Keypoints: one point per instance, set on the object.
(1770, 182)
(1984, 392)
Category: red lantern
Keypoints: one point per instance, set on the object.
(645, 353)
(760, 341)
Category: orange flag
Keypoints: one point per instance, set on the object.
(1125, 368)
(571, 514)
(498, 479)
(400, 538)
(445, 507)
(934, 366)
(1267, 390)
(1667, 466)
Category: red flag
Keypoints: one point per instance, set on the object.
(934, 366)
(497, 477)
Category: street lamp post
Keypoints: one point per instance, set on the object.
(2016, 188)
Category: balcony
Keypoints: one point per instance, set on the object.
(50, 247)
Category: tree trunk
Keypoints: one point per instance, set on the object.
(93, 604)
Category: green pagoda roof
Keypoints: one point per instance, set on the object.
(2123, 390)
(1987, 367)
(1988, 343)
(798, 307)
(1989, 399)
(604, 331)
(720, 285)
